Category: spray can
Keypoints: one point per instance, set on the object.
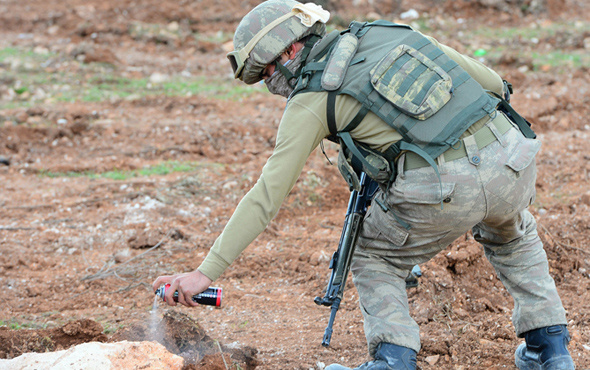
(210, 297)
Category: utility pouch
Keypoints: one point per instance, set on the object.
(412, 82)
(346, 170)
(360, 158)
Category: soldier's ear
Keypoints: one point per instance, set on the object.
(291, 51)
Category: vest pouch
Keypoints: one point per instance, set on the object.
(380, 163)
(412, 82)
(337, 65)
(376, 167)
(346, 170)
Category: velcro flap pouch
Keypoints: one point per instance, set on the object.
(412, 82)
(337, 65)
(524, 154)
(347, 172)
(377, 161)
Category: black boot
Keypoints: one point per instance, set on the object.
(545, 349)
(387, 357)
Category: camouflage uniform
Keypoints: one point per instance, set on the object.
(488, 191)
(487, 183)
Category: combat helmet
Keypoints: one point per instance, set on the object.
(268, 30)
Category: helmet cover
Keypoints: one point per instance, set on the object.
(268, 30)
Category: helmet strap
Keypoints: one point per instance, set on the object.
(288, 75)
(309, 44)
(304, 54)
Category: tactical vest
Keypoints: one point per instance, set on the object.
(403, 78)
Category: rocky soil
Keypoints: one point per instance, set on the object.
(125, 145)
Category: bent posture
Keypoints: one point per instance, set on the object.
(430, 126)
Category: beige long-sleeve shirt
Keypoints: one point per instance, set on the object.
(302, 128)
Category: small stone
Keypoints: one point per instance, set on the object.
(461, 313)
(41, 50)
(21, 117)
(230, 184)
(122, 255)
(53, 30)
(432, 360)
(158, 78)
(173, 26)
(319, 257)
(410, 14)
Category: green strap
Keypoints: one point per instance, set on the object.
(309, 45)
(460, 79)
(425, 88)
(360, 115)
(347, 139)
(331, 113)
(420, 43)
(288, 75)
(522, 123)
(355, 27)
(314, 66)
(435, 53)
(304, 53)
(449, 65)
(411, 78)
(397, 65)
(415, 149)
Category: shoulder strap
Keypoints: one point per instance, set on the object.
(331, 113)
(523, 125)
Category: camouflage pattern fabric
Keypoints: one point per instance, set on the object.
(346, 170)
(335, 71)
(488, 193)
(412, 82)
(274, 43)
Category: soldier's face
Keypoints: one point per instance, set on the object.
(290, 53)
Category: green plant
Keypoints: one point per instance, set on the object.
(110, 328)
(159, 169)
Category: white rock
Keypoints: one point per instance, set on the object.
(99, 356)
(410, 14)
(158, 78)
(173, 26)
(41, 50)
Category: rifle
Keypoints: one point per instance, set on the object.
(358, 204)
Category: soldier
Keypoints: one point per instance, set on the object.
(430, 126)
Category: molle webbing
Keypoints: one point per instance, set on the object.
(432, 135)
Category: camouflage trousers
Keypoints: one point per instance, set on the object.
(488, 191)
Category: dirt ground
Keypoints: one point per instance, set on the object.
(87, 221)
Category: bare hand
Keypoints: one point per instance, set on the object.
(187, 285)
